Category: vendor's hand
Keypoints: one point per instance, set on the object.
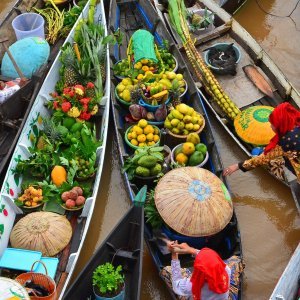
(183, 248)
(231, 169)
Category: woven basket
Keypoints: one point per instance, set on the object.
(42, 231)
(175, 139)
(38, 278)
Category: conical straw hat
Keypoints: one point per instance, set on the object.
(42, 231)
(193, 201)
(252, 125)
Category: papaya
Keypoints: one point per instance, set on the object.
(201, 148)
(59, 175)
(196, 158)
(147, 161)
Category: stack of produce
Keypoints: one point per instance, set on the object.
(124, 89)
(167, 63)
(143, 134)
(188, 154)
(73, 199)
(183, 120)
(177, 13)
(31, 197)
(145, 162)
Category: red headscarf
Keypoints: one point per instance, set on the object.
(284, 118)
(209, 268)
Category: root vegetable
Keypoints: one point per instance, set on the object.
(73, 194)
(70, 203)
(65, 196)
(78, 189)
(80, 200)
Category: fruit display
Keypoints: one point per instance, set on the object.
(85, 167)
(146, 162)
(168, 59)
(138, 112)
(121, 68)
(58, 175)
(188, 154)
(183, 120)
(142, 134)
(73, 199)
(124, 89)
(31, 197)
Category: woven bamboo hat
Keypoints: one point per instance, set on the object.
(193, 201)
(252, 125)
(42, 231)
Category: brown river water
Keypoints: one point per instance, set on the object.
(269, 223)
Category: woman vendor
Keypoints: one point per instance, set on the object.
(210, 279)
(285, 122)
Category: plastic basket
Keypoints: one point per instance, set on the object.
(39, 278)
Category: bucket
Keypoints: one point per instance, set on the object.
(28, 25)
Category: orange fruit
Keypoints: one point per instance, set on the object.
(134, 142)
(155, 138)
(188, 148)
(141, 138)
(181, 158)
(148, 129)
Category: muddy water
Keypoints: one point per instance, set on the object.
(270, 226)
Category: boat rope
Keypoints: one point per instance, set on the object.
(273, 15)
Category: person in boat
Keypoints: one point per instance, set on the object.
(285, 122)
(210, 279)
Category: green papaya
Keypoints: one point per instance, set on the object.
(155, 170)
(147, 161)
(196, 158)
(201, 147)
(141, 171)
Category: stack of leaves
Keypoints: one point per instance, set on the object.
(151, 213)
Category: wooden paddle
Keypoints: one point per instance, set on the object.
(23, 78)
(258, 80)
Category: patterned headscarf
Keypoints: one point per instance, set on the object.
(209, 268)
(284, 118)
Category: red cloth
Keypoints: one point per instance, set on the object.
(284, 118)
(209, 268)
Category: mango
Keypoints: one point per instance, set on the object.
(201, 148)
(196, 158)
(188, 148)
(193, 138)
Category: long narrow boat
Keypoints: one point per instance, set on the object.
(270, 86)
(288, 285)
(130, 16)
(123, 246)
(14, 111)
(80, 220)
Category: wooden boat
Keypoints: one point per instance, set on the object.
(123, 246)
(141, 14)
(269, 87)
(11, 187)
(12, 120)
(288, 285)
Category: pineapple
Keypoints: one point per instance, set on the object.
(174, 93)
(90, 92)
(51, 131)
(135, 95)
(68, 59)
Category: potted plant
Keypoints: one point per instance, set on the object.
(108, 282)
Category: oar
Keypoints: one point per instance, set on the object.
(259, 81)
(21, 75)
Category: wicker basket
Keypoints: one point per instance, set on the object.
(173, 139)
(38, 278)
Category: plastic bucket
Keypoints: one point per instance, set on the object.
(28, 25)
